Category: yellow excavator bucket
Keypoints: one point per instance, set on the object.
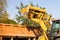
(26, 9)
(37, 8)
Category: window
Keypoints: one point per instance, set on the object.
(55, 28)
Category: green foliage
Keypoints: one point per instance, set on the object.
(29, 22)
(4, 19)
(25, 21)
(5, 15)
(19, 18)
(3, 4)
(8, 21)
(22, 6)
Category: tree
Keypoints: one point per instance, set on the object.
(25, 21)
(3, 4)
(10, 21)
(5, 15)
(4, 18)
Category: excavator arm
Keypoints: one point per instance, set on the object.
(40, 16)
(44, 28)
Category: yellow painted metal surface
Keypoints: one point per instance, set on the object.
(41, 23)
(41, 38)
(24, 10)
(44, 37)
(37, 8)
(40, 16)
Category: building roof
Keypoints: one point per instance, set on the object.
(15, 30)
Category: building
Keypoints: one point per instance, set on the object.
(17, 32)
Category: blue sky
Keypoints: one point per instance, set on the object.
(52, 6)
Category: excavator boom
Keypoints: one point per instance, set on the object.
(40, 16)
